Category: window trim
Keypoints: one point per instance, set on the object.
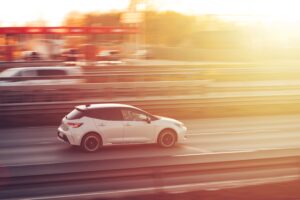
(150, 116)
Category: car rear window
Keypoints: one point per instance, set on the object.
(75, 114)
(50, 72)
(111, 114)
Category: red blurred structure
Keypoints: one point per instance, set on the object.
(16, 33)
(68, 30)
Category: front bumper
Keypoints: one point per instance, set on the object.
(182, 135)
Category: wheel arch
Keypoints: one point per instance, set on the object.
(91, 132)
(165, 129)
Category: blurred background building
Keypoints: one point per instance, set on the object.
(184, 31)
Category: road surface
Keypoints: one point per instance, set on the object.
(212, 139)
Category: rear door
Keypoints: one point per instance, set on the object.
(29, 73)
(52, 73)
(109, 123)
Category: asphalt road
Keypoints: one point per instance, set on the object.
(38, 145)
(213, 139)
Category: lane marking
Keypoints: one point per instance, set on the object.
(197, 149)
(215, 152)
(236, 132)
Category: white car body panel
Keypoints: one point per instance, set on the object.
(139, 132)
(112, 132)
(120, 132)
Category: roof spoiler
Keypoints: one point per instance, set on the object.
(82, 107)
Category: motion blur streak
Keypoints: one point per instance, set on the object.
(229, 70)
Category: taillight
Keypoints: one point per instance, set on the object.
(74, 125)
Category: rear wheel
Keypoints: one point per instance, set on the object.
(91, 142)
(167, 138)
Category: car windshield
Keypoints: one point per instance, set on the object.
(8, 73)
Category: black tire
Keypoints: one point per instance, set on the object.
(91, 142)
(167, 138)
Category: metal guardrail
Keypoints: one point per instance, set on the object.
(144, 171)
(188, 103)
(203, 98)
(117, 90)
(170, 74)
(192, 98)
(155, 168)
(189, 106)
(46, 93)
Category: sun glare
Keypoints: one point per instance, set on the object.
(262, 11)
(268, 11)
(18, 13)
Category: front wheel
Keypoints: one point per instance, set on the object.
(167, 138)
(91, 142)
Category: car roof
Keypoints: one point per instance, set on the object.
(18, 69)
(43, 67)
(103, 105)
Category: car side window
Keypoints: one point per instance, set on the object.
(29, 73)
(127, 115)
(49, 72)
(18, 74)
(109, 114)
(133, 115)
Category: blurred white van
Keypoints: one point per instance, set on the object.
(40, 76)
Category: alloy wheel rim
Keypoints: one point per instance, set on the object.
(168, 139)
(91, 143)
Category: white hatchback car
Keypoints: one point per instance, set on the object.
(96, 125)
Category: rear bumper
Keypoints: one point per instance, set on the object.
(65, 136)
(62, 137)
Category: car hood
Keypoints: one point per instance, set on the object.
(167, 119)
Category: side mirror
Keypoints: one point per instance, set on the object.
(145, 118)
(148, 120)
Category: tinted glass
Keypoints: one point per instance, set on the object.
(28, 73)
(48, 72)
(110, 114)
(75, 114)
(134, 115)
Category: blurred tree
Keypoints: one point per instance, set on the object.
(95, 19)
(102, 19)
(168, 28)
(74, 19)
(92, 19)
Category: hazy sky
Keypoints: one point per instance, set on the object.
(17, 12)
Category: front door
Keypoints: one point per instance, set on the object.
(137, 127)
